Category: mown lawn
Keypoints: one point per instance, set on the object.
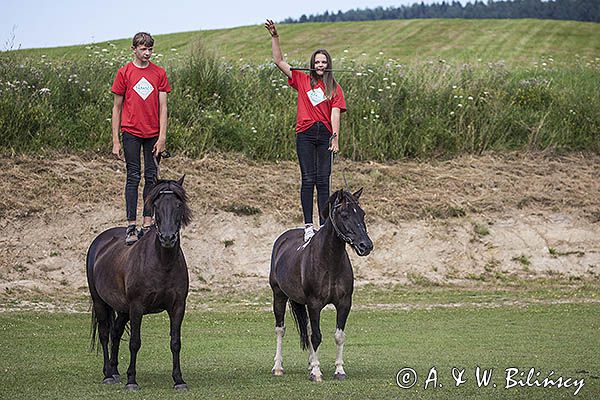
(229, 354)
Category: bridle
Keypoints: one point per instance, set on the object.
(336, 229)
(155, 224)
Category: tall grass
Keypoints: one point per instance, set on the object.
(428, 109)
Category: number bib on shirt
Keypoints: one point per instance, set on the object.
(316, 96)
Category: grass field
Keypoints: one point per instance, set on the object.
(228, 353)
(520, 41)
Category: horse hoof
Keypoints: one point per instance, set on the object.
(112, 380)
(339, 377)
(181, 387)
(132, 387)
(315, 378)
(277, 372)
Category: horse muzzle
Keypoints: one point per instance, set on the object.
(363, 247)
(168, 240)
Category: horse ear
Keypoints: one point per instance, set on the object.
(180, 181)
(358, 193)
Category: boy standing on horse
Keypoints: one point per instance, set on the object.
(140, 113)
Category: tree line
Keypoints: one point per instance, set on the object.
(575, 10)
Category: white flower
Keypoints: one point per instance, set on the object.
(453, 86)
(451, 112)
(365, 118)
(380, 90)
(381, 53)
(44, 90)
(393, 83)
(470, 97)
(173, 49)
(460, 105)
(358, 74)
(345, 50)
(385, 78)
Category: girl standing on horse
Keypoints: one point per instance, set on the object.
(320, 104)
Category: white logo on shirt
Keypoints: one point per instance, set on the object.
(316, 96)
(143, 88)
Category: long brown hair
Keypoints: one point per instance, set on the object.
(328, 79)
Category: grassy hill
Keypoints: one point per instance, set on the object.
(514, 41)
(453, 87)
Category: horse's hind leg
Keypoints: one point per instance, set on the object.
(176, 317)
(103, 315)
(343, 310)
(279, 303)
(115, 340)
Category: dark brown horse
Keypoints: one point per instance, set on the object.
(127, 282)
(314, 274)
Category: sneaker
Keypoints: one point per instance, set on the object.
(143, 230)
(309, 232)
(131, 235)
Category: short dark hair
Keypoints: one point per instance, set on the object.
(143, 38)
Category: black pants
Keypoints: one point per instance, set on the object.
(132, 146)
(312, 147)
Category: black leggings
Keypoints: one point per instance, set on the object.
(312, 147)
(132, 146)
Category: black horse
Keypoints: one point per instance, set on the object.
(150, 276)
(314, 274)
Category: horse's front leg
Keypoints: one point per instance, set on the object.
(176, 317)
(314, 336)
(343, 309)
(135, 342)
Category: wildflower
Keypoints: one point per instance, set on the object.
(173, 49)
(470, 97)
(393, 83)
(104, 50)
(380, 90)
(460, 105)
(385, 78)
(363, 54)
(376, 115)
(451, 112)
(455, 96)
(44, 90)
(388, 87)
(453, 86)
(365, 118)
(544, 64)
(358, 74)
(345, 50)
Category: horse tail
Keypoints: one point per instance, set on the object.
(94, 335)
(301, 319)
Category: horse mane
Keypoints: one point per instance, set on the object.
(178, 190)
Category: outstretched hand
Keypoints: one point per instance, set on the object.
(270, 26)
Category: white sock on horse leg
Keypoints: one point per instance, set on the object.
(278, 367)
(340, 339)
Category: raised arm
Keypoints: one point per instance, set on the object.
(276, 49)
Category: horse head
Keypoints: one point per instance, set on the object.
(168, 201)
(348, 220)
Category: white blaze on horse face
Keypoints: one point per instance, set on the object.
(340, 339)
(278, 367)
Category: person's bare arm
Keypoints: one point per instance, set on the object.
(276, 49)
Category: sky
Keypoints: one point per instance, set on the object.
(51, 23)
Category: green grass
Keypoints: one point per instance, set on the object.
(229, 354)
(515, 41)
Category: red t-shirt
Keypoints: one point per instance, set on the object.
(313, 105)
(140, 87)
